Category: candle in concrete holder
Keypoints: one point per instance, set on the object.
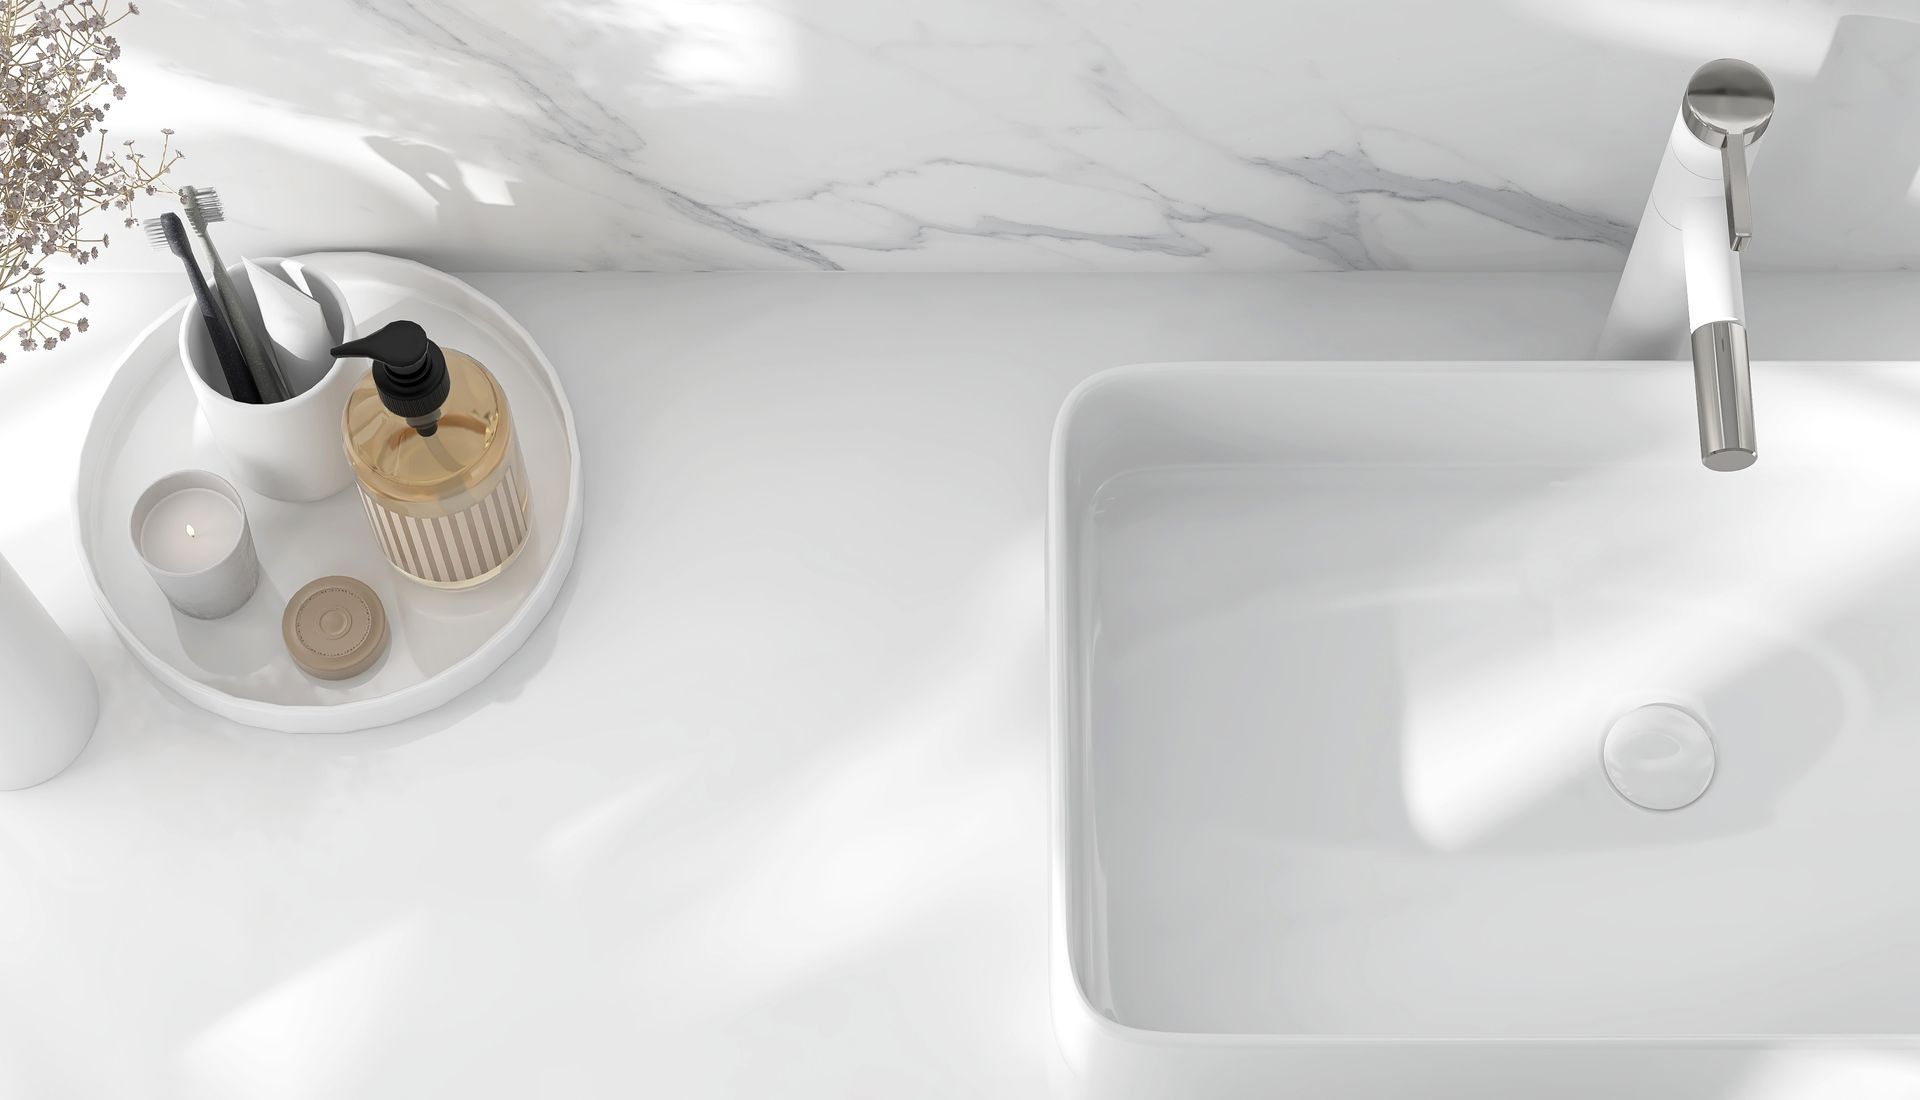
(190, 528)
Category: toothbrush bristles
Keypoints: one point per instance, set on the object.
(156, 233)
(208, 200)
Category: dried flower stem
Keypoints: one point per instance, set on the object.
(56, 86)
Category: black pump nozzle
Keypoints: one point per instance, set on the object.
(409, 370)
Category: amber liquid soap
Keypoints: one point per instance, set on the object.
(431, 440)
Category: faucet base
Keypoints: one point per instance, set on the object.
(1723, 387)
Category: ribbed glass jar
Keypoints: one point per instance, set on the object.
(450, 509)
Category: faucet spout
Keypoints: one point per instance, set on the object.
(1683, 273)
(1723, 388)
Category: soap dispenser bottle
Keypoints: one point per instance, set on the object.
(431, 440)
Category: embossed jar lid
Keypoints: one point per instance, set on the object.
(335, 628)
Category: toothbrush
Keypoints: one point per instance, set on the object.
(167, 231)
(203, 206)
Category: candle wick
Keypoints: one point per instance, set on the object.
(190, 532)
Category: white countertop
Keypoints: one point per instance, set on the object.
(761, 809)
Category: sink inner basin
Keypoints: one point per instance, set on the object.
(1338, 650)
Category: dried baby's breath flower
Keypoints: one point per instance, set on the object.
(56, 86)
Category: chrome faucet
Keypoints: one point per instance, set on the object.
(1697, 220)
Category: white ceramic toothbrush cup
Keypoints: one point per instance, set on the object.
(289, 450)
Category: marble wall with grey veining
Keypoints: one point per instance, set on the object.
(1019, 135)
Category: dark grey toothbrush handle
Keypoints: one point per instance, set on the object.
(233, 364)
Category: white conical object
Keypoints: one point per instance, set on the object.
(48, 701)
(296, 326)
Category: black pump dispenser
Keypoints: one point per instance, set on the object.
(409, 370)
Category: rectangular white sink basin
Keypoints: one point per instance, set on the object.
(1336, 649)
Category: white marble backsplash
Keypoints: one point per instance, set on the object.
(1104, 135)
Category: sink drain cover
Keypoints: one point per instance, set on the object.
(1658, 756)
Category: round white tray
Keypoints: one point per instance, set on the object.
(442, 642)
